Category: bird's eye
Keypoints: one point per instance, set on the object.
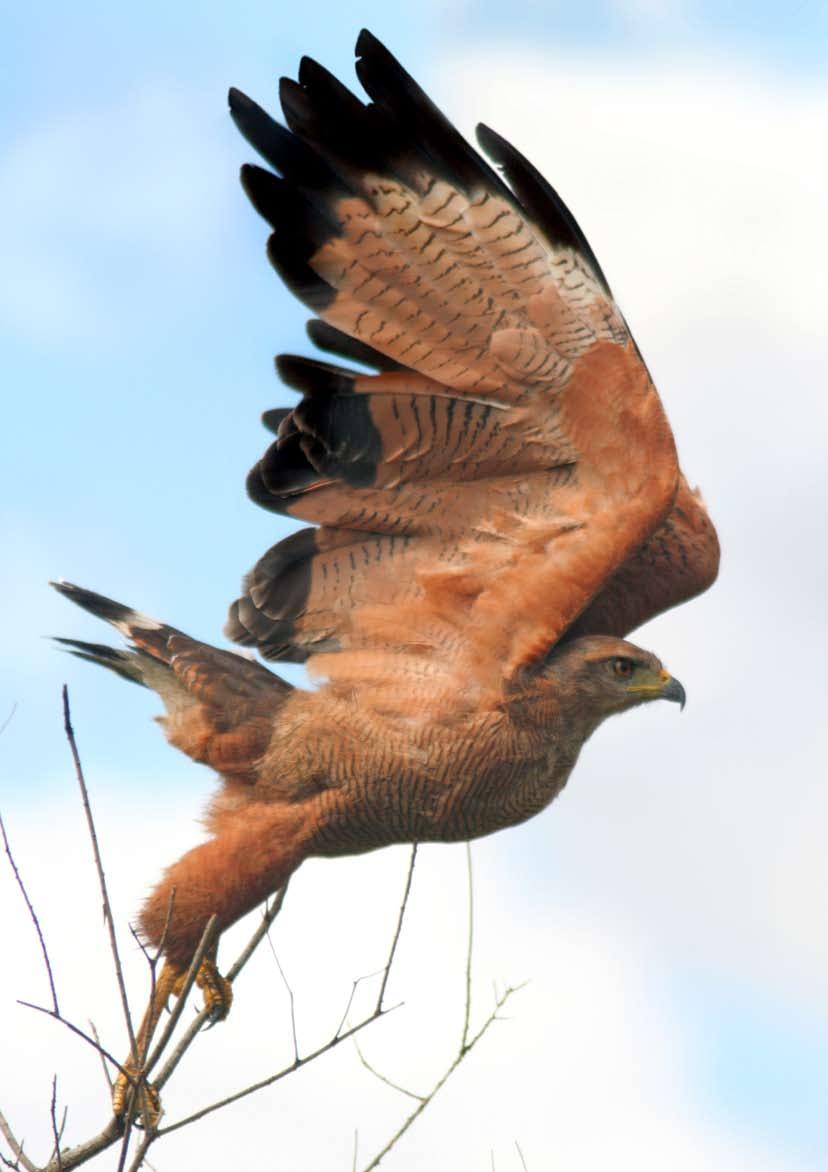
(623, 668)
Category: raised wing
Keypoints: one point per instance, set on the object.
(512, 454)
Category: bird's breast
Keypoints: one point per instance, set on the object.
(441, 795)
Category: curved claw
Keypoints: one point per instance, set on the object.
(217, 991)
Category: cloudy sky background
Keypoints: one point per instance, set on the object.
(670, 910)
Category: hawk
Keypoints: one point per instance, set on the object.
(493, 508)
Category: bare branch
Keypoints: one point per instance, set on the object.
(469, 949)
(73, 1157)
(387, 967)
(280, 1074)
(467, 1043)
(400, 918)
(140, 1152)
(57, 1132)
(355, 984)
(427, 1099)
(101, 1053)
(204, 945)
(114, 1130)
(32, 916)
(270, 914)
(20, 1157)
(70, 1025)
(384, 1078)
(107, 907)
(286, 983)
(162, 943)
(523, 1163)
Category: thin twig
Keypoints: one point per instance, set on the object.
(523, 1163)
(162, 943)
(152, 960)
(467, 1044)
(286, 983)
(386, 969)
(142, 1058)
(270, 914)
(72, 1157)
(101, 1054)
(195, 1026)
(400, 917)
(70, 1025)
(204, 946)
(107, 907)
(355, 984)
(57, 1133)
(384, 1078)
(32, 916)
(140, 1152)
(128, 1124)
(16, 1147)
(469, 948)
(280, 1074)
(459, 1057)
(147, 1061)
(379, 1011)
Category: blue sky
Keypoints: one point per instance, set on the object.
(138, 320)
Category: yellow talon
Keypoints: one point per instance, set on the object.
(149, 1101)
(218, 997)
(217, 991)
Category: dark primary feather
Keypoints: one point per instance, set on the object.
(328, 338)
(541, 202)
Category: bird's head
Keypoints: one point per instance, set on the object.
(598, 676)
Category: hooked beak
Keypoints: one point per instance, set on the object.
(672, 690)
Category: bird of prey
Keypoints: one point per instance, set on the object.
(493, 509)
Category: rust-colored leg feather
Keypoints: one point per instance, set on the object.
(253, 853)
